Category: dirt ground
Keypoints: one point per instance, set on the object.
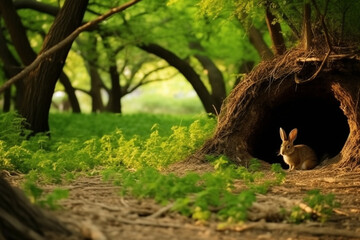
(94, 210)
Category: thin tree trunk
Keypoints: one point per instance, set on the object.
(258, 42)
(40, 83)
(275, 33)
(7, 100)
(21, 43)
(114, 104)
(307, 31)
(65, 81)
(188, 72)
(17, 32)
(11, 67)
(95, 91)
(216, 79)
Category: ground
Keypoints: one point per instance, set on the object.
(95, 211)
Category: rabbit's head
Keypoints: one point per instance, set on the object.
(287, 146)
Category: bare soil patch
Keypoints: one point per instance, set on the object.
(95, 210)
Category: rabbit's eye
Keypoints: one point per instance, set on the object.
(288, 146)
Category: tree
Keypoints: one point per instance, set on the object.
(40, 84)
(24, 50)
(186, 70)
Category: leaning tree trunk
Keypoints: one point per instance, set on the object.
(19, 219)
(275, 32)
(40, 83)
(70, 91)
(20, 42)
(215, 76)
(185, 69)
(325, 110)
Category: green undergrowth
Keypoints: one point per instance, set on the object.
(200, 196)
(321, 205)
(132, 151)
(61, 158)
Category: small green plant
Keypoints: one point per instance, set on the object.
(321, 205)
(36, 195)
(198, 196)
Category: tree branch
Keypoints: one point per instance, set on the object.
(144, 82)
(65, 42)
(38, 6)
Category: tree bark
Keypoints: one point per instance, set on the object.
(65, 81)
(114, 104)
(307, 31)
(21, 43)
(216, 79)
(19, 219)
(17, 32)
(256, 39)
(40, 83)
(186, 70)
(95, 91)
(11, 67)
(275, 33)
(37, 6)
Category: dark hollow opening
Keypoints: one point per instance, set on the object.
(320, 122)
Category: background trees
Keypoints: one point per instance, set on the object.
(208, 44)
(108, 50)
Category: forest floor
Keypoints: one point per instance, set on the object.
(96, 211)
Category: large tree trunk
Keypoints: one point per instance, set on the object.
(41, 82)
(184, 68)
(19, 219)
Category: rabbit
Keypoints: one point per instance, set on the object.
(298, 156)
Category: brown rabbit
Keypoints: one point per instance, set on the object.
(298, 156)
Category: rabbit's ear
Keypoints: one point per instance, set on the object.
(283, 135)
(293, 135)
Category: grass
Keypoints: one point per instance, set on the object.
(82, 143)
(85, 126)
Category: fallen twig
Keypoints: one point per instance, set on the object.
(155, 223)
(318, 231)
(161, 211)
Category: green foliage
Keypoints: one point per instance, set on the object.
(322, 206)
(37, 196)
(80, 150)
(156, 151)
(11, 128)
(52, 199)
(197, 195)
(279, 172)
